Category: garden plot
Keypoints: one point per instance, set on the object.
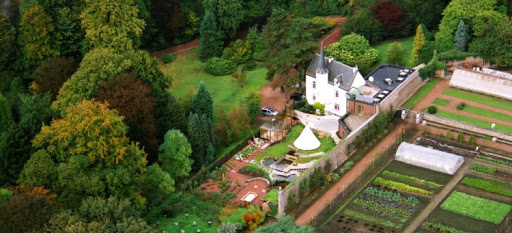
(390, 201)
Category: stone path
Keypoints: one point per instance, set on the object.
(340, 186)
(434, 202)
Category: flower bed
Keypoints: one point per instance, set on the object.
(401, 186)
(476, 207)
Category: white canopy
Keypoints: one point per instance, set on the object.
(429, 158)
(307, 140)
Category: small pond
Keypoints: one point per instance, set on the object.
(268, 161)
(289, 178)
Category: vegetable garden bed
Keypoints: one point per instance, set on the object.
(476, 207)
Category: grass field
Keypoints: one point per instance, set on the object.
(441, 102)
(420, 94)
(473, 121)
(488, 113)
(406, 42)
(476, 207)
(224, 89)
(478, 98)
(186, 223)
(271, 196)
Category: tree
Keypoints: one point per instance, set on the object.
(51, 75)
(36, 37)
(69, 35)
(252, 102)
(366, 25)
(171, 115)
(7, 37)
(92, 154)
(395, 54)
(390, 15)
(239, 52)
(157, 184)
(200, 136)
(100, 215)
(40, 170)
(461, 36)
(254, 39)
(252, 218)
(6, 119)
(228, 13)
(202, 103)
(25, 213)
(175, 154)
(211, 37)
(231, 127)
(112, 24)
(418, 44)
(285, 224)
(134, 100)
(503, 54)
(354, 50)
(5, 195)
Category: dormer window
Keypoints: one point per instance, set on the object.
(314, 84)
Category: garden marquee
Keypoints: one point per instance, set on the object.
(429, 158)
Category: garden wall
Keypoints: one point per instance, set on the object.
(461, 126)
(335, 158)
(402, 93)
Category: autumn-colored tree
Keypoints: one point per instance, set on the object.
(112, 24)
(50, 76)
(36, 36)
(252, 218)
(25, 212)
(133, 99)
(231, 127)
(418, 44)
(390, 14)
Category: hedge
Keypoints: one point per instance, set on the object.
(454, 55)
(168, 58)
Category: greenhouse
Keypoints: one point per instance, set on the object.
(429, 158)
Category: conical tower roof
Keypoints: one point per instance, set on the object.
(307, 140)
(322, 68)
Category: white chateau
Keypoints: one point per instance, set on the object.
(327, 82)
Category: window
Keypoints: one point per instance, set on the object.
(337, 106)
(360, 109)
(337, 94)
(314, 84)
(314, 97)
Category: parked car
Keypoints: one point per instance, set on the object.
(268, 111)
(297, 96)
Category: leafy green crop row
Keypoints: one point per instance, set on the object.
(496, 161)
(491, 186)
(364, 217)
(411, 178)
(476, 207)
(438, 227)
(383, 210)
(401, 186)
(483, 169)
(392, 196)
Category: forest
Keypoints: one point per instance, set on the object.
(93, 140)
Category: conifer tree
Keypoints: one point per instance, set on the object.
(418, 44)
(202, 103)
(461, 36)
(211, 37)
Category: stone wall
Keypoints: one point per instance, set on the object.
(452, 124)
(403, 92)
(337, 156)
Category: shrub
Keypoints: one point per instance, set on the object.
(460, 106)
(320, 107)
(168, 58)
(251, 65)
(218, 66)
(253, 217)
(454, 55)
(483, 169)
(238, 52)
(472, 140)
(254, 170)
(432, 109)
(460, 137)
(448, 135)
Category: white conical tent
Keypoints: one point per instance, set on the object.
(307, 140)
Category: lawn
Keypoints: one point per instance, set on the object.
(488, 113)
(420, 94)
(226, 92)
(406, 42)
(473, 121)
(272, 196)
(478, 98)
(441, 102)
(280, 149)
(187, 224)
(476, 207)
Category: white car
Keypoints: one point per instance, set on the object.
(268, 111)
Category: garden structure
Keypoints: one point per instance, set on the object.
(429, 158)
(275, 130)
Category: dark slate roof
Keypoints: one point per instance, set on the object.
(336, 70)
(384, 71)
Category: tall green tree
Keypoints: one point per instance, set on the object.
(112, 24)
(171, 115)
(69, 35)
(200, 136)
(354, 50)
(175, 154)
(461, 36)
(7, 37)
(418, 44)
(228, 13)
(202, 103)
(6, 119)
(365, 25)
(212, 38)
(157, 184)
(36, 37)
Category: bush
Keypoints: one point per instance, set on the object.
(168, 58)
(251, 65)
(320, 107)
(238, 52)
(460, 137)
(219, 67)
(460, 106)
(448, 135)
(472, 140)
(454, 55)
(433, 65)
(432, 109)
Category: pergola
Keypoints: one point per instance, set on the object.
(274, 130)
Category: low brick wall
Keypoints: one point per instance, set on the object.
(337, 156)
(403, 92)
(448, 123)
